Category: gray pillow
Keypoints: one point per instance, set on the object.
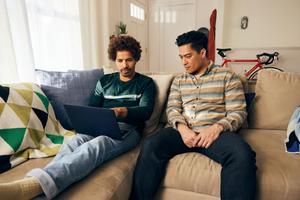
(58, 97)
(71, 87)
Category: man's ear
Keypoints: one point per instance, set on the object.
(203, 53)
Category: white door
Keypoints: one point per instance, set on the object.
(167, 20)
(135, 16)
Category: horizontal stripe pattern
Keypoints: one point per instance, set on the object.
(129, 96)
(199, 101)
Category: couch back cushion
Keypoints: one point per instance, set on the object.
(163, 82)
(79, 83)
(277, 96)
(244, 82)
(71, 87)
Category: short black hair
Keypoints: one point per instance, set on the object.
(124, 43)
(198, 40)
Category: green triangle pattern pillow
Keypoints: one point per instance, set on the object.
(28, 126)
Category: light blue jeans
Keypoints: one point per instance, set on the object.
(78, 158)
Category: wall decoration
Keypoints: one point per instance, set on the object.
(244, 22)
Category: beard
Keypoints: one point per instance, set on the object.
(126, 72)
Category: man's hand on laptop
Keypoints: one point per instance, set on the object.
(120, 111)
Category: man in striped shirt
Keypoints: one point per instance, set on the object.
(206, 106)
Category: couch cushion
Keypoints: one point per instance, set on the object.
(277, 95)
(72, 87)
(81, 79)
(244, 82)
(174, 194)
(278, 172)
(20, 171)
(111, 181)
(163, 82)
(193, 172)
(58, 97)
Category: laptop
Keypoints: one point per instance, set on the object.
(94, 121)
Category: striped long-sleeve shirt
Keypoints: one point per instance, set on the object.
(199, 101)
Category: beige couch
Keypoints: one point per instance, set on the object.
(193, 176)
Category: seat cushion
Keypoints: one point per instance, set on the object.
(19, 171)
(174, 194)
(193, 172)
(278, 172)
(111, 181)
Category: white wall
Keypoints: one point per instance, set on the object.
(272, 23)
(273, 26)
(203, 12)
(114, 18)
(118, 10)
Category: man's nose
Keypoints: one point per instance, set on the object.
(184, 61)
(124, 64)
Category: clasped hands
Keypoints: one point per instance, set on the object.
(204, 138)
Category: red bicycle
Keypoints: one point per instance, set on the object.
(260, 62)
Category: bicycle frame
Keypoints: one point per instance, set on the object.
(249, 72)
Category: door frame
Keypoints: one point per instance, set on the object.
(153, 5)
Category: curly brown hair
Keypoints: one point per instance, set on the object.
(124, 43)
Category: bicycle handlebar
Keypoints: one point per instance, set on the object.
(270, 56)
(221, 52)
(270, 59)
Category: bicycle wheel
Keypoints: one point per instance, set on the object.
(253, 76)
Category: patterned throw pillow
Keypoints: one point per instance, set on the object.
(28, 127)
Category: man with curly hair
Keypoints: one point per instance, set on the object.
(129, 94)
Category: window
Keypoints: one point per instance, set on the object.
(55, 34)
(165, 17)
(137, 12)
